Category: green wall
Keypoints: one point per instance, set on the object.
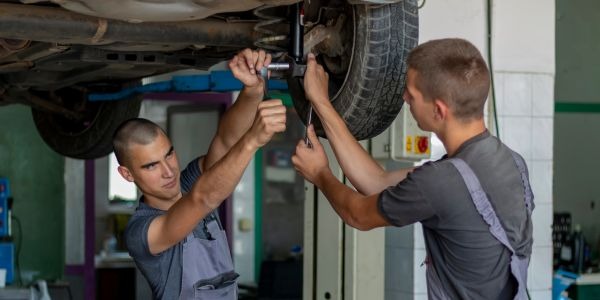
(577, 51)
(577, 114)
(37, 184)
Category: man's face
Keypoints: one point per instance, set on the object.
(421, 109)
(154, 169)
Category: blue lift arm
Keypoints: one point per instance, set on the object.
(216, 81)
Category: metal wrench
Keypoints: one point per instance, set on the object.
(308, 122)
(285, 70)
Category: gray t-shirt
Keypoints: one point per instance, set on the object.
(470, 262)
(163, 271)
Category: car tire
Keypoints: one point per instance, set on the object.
(90, 137)
(369, 95)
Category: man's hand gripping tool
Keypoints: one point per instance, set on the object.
(287, 69)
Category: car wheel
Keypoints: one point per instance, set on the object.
(89, 136)
(367, 81)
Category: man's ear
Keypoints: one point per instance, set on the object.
(125, 173)
(440, 109)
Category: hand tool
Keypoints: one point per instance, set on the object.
(286, 69)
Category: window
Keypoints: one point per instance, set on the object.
(119, 189)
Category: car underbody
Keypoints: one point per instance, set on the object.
(54, 53)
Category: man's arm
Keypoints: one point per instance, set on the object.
(239, 117)
(361, 169)
(358, 211)
(216, 183)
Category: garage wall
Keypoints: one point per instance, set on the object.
(37, 183)
(576, 181)
(524, 67)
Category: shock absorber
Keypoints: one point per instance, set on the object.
(296, 50)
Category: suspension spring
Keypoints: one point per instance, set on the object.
(271, 38)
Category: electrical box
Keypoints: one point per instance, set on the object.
(403, 140)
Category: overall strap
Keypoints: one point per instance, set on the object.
(215, 216)
(525, 179)
(481, 201)
(518, 265)
(204, 223)
(189, 237)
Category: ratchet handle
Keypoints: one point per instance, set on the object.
(308, 122)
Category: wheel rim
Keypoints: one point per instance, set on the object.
(338, 67)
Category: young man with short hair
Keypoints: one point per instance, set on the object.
(474, 204)
(175, 236)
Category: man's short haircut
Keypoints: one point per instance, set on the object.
(454, 71)
(137, 130)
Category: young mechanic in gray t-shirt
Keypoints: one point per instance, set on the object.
(174, 237)
(474, 204)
